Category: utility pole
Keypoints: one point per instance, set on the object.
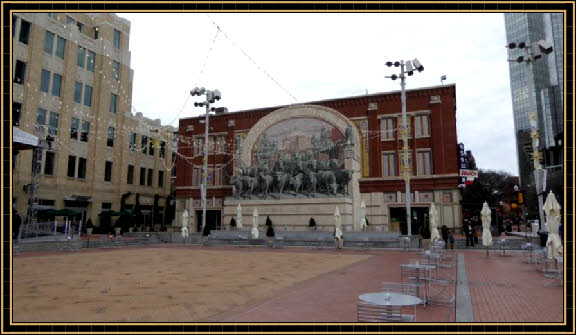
(406, 68)
(531, 53)
(211, 97)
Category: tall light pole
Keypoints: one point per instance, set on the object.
(211, 97)
(531, 53)
(406, 68)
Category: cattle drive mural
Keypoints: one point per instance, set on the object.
(296, 157)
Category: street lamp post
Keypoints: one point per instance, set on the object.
(406, 68)
(531, 53)
(211, 97)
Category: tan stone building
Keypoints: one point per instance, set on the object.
(72, 80)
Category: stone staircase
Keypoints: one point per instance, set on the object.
(120, 242)
(55, 246)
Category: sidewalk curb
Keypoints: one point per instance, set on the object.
(464, 312)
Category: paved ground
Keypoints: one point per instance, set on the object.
(504, 289)
(304, 285)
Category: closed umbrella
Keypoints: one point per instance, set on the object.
(553, 245)
(255, 224)
(338, 226)
(486, 215)
(185, 223)
(239, 217)
(433, 214)
(363, 223)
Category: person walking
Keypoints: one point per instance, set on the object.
(16, 222)
(445, 234)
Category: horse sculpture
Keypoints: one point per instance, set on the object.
(265, 181)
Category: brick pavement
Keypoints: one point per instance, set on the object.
(504, 289)
(332, 297)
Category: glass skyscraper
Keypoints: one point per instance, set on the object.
(548, 84)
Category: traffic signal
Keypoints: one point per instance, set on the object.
(520, 198)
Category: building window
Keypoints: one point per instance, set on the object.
(388, 164)
(421, 125)
(116, 39)
(50, 15)
(24, 31)
(110, 140)
(151, 146)
(74, 128)
(197, 176)
(81, 56)
(108, 171)
(56, 84)
(132, 141)
(69, 20)
(49, 42)
(82, 168)
(162, 149)
(150, 174)
(45, 81)
(77, 92)
(85, 131)
(424, 163)
(142, 176)
(160, 178)
(113, 98)
(218, 176)
(80, 25)
(387, 125)
(198, 143)
(71, 166)
(96, 32)
(20, 72)
(107, 206)
(49, 163)
(60, 47)
(130, 178)
(16, 111)
(144, 144)
(53, 124)
(115, 71)
(14, 23)
(41, 120)
(90, 61)
(87, 96)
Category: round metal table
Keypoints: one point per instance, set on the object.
(390, 299)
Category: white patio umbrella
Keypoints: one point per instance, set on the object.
(553, 245)
(184, 228)
(433, 214)
(255, 224)
(338, 223)
(239, 217)
(486, 215)
(363, 223)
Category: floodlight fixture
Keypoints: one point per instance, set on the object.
(389, 64)
(418, 65)
(409, 68)
(396, 64)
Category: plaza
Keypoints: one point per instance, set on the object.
(231, 284)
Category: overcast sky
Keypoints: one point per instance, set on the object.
(324, 56)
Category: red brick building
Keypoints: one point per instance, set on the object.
(431, 115)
